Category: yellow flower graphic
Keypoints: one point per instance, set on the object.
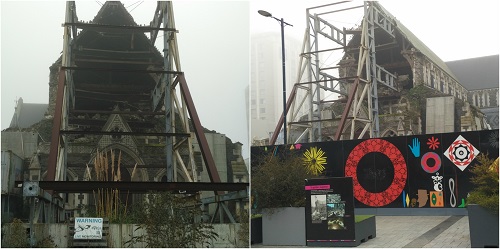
(314, 160)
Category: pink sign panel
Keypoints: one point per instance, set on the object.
(316, 187)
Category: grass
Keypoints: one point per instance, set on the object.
(359, 218)
(254, 216)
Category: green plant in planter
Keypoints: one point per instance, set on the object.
(279, 181)
(485, 181)
(172, 221)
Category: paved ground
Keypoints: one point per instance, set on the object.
(417, 232)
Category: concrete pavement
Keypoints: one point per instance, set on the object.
(417, 232)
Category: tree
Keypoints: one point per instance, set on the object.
(172, 221)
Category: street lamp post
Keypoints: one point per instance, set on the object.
(282, 23)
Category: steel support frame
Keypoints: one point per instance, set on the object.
(64, 98)
(166, 86)
(360, 90)
(369, 120)
(220, 200)
(314, 79)
(173, 103)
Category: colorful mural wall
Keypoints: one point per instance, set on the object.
(431, 170)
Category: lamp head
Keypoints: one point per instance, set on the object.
(265, 13)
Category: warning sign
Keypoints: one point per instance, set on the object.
(88, 228)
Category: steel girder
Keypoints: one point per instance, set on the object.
(138, 187)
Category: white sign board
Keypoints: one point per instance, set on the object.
(88, 228)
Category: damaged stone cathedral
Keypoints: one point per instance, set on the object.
(115, 113)
(388, 83)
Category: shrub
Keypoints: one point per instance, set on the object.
(244, 231)
(47, 242)
(485, 181)
(279, 182)
(16, 237)
(172, 221)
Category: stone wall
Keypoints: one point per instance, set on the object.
(53, 80)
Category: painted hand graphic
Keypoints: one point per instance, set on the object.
(415, 148)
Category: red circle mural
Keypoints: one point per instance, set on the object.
(425, 165)
(400, 172)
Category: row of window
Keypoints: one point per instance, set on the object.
(482, 99)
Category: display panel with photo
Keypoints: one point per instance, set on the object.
(335, 209)
(333, 198)
(318, 208)
(336, 223)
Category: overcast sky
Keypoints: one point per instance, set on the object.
(453, 30)
(214, 45)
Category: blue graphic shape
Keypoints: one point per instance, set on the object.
(415, 148)
(404, 200)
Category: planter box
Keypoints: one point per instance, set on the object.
(284, 227)
(256, 230)
(483, 227)
(365, 230)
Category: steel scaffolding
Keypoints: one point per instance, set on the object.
(164, 96)
(170, 98)
(355, 82)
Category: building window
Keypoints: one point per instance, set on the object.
(116, 137)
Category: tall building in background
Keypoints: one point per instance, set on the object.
(266, 90)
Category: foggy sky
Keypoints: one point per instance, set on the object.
(453, 30)
(213, 45)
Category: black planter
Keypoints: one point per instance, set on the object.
(256, 230)
(483, 227)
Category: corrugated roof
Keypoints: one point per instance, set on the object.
(477, 73)
(417, 43)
